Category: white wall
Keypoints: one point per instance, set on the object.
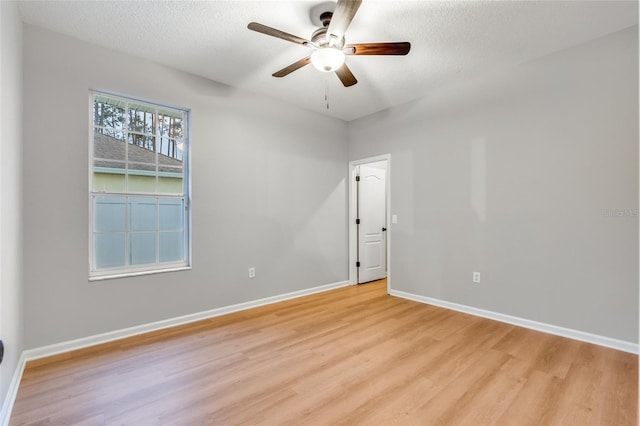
(515, 176)
(269, 191)
(10, 192)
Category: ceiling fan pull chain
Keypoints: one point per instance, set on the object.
(326, 92)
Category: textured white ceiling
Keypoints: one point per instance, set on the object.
(451, 40)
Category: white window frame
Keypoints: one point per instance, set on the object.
(96, 274)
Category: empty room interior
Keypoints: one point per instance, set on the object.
(319, 212)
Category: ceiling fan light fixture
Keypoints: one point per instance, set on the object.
(328, 41)
(327, 59)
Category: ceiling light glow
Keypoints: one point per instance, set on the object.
(327, 59)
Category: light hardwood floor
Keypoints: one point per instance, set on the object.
(349, 356)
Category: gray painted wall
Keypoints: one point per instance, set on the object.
(10, 192)
(522, 176)
(269, 191)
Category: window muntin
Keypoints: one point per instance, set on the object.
(139, 187)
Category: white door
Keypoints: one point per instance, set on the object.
(371, 230)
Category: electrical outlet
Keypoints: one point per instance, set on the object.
(476, 277)
(252, 272)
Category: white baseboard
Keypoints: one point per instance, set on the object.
(71, 345)
(10, 398)
(608, 342)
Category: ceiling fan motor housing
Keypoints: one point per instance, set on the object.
(320, 39)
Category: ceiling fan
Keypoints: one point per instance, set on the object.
(328, 43)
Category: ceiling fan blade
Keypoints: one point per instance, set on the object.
(291, 68)
(342, 16)
(395, 48)
(346, 76)
(277, 33)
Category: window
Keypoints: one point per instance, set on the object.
(139, 187)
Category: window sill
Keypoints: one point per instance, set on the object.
(137, 273)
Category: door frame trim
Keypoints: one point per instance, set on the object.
(353, 237)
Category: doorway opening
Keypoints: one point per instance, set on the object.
(369, 213)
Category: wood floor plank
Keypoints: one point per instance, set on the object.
(448, 405)
(536, 403)
(349, 356)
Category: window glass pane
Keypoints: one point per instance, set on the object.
(142, 183)
(143, 248)
(146, 154)
(142, 119)
(109, 250)
(110, 214)
(171, 246)
(171, 214)
(142, 214)
(170, 125)
(108, 182)
(171, 148)
(108, 113)
(170, 185)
